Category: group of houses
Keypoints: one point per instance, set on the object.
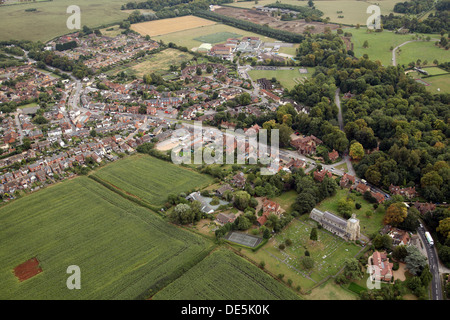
(104, 51)
(25, 83)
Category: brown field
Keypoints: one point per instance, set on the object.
(27, 270)
(295, 26)
(165, 26)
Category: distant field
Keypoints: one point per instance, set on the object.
(187, 38)
(288, 78)
(380, 44)
(354, 11)
(49, 21)
(122, 249)
(151, 179)
(423, 50)
(441, 82)
(218, 37)
(165, 26)
(158, 63)
(225, 276)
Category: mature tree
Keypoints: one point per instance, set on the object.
(313, 235)
(352, 269)
(399, 253)
(304, 203)
(382, 242)
(182, 214)
(411, 222)
(426, 276)
(356, 151)
(243, 223)
(415, 261)
(241, 199)
(444, 227)
(395, 214)
(307, 262)
(345, 207)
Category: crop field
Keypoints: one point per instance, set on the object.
(151, 179)
(159, 63)
(165, 26)
(187, 38)
(122, 249)
(49, 21)
(224, 275)
(288, 78)
(218, 37)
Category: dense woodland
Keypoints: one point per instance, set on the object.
(413, 7)
(434, 23)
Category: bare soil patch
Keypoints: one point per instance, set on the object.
(27, 270)
(295, 26)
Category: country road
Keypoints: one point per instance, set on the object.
(433, 261)
(345, 156)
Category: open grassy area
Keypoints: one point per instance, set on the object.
(159, 63)
(286, 199)
(380, 44)
(437, 84)
(423, 50)
(49, 21)
(218, 37)
(368, 225)
(151, 179)
(223, 275)
(123, 250)
(330, 291)
(328, 253)
(187, 38)
(288, 78)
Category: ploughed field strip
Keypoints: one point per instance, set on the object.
(122, 249)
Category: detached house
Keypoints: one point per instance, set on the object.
(381, 268)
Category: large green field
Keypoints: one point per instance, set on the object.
(49, 21)
(380, 44)
(437, 84)
(151, 179)
(288, 78)
(156, 63)
(123, 250)
(224, 275)
(423, 50)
